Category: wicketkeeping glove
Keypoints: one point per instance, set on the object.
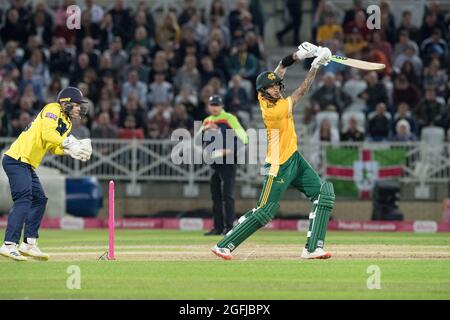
(87, 146)
(74, 148)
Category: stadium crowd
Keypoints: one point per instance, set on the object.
(394, 104)
(143, 77)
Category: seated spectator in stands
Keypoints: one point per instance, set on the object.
(207, 71)
(409, 54)
(88, 47)
(404, 41)
(234, 20)
(406, 25)
(160, 65)
(152, 131)
(121, 19)
(216, 23)
(429, 111)
(387, 22)
(403, 132)
(404, 113)
(144, 18)
(200, 112)
(405, 91)
(34, 82)
(41, 74)
(375, 92)
(168, 30)
(130, 130)
(327, 31)
(379, 43)
(25, 105)
(237, 102)
(180, 119)
(160, 115)
(358, 25)
(103, 128)
(200, 30)
(242, 62)
(188, 74)
(14, 29)
(189, 9)
(171, 57)
(80, 129)
(370, 53)
(352, 133)
(430, 23)
(140, 40)
(324, 133)
(255, 45)
(408, 71)
(379, 126)
(119, 57)
(20, 123)
(354, 42)
(4, 119)
(218, 56)
(187, 97)
(108, 32)
(60, 58)
(133, 84)
(160, 91)
(9, 87)
(88, 29)
(132, 108)
(95, 10)
(434, 47)
(80, 67)
(136, 63)
(330, 94)
(434, 76)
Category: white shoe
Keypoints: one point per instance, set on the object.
(32, 250)
(10, 251)
(319, 253)
(224, 253)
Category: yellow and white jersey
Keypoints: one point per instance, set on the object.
(281, 136)
(46, 133)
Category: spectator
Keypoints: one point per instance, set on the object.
(140, 39)
(200, 30)
(403, 42)
(434, 47)
(405, 92)
(408, 71)
(375, 92)
(103, 128)
(430, 111)
(53, 89)
(237, 102)
(119, 57)
(19, 124)
(60, 58)
(81, 67)
(133, 109)
(379, 124)
(200, 111)
(96, 11)
(217, 10)
(407, 26)
(14, 29)
(147, 19)
(136, 63)
(218, 57)
(87, 30)
(403, 132)
(409, 55)
(352, 133)
(180, 119)
(79, 128)
(133, 84)
(189, 10)
(187, 97)
(188, 74)
(121, 20)
(351, 13)
(93, 54)
(61, 29)
(108, 32)
(29, 79)
(329, 94)
(208, 72)
(4, 118)
(216, 24)
(169, 30)
(358, 25)
(435, 77)
(404, 113)
(430, 24)
(354, 42)
(242, 62)
(152, 130)
(130, 129)
(160, 90)
(328, 31)
(324, 133)
(160, 115)
(255, 45)
(234, 21)
(160, 65)
(379, 43)
(41, 28)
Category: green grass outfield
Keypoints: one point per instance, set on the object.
(163, 264)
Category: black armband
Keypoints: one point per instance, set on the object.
(287, 61)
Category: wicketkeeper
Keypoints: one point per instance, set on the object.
(48, 132)
(284, 164)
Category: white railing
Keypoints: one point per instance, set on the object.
(150, 160)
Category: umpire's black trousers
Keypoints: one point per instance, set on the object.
(222, 191)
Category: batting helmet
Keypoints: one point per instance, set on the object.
(267, 79)
(71, 95)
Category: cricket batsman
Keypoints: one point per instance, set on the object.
(284, 165)
(50, 131)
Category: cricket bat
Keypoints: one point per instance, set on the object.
(355, 63)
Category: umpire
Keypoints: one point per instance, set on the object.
(224, 171)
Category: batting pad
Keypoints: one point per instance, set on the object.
(321, 217)
(252, 221)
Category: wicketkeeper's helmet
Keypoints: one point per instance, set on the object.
(71, 94)
(267, 79)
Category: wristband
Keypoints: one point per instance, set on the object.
(287, 61)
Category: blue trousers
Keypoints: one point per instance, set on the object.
(29, 200)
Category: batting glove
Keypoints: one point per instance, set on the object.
(322, 59)
(306, 50)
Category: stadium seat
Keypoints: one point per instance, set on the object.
(333, 116)
(432, 134)
(360, 117)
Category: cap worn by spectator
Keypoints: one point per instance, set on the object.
(215, 100)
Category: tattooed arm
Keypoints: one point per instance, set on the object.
(287, 61)
(304, 87)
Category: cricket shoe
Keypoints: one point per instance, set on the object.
(32, 250)
(224, 253)
(10, 251)
(319, 253)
